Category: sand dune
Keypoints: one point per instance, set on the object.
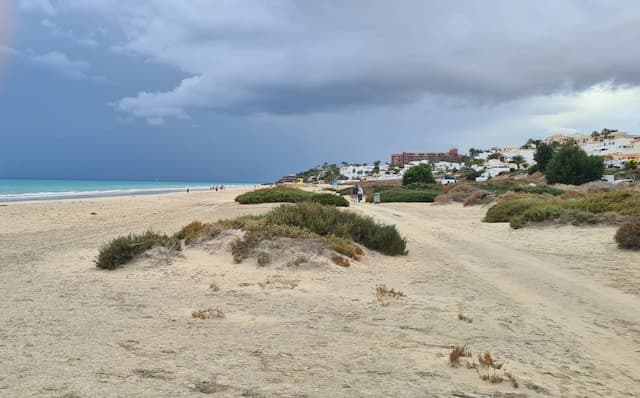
(559, 306)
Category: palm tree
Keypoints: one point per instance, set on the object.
(518, 160)
(376, 167)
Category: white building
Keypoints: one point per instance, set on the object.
(360, 172)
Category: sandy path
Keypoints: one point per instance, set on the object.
(558, 305)
(590, 322)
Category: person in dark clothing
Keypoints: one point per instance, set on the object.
(354, 193)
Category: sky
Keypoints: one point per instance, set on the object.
(250, 90)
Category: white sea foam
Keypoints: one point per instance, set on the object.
(21, 197)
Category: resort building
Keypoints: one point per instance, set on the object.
(615, 147)
(405, 158)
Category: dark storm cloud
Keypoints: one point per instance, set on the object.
(292, 56)
(253, 90)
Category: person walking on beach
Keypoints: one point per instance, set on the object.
(354, 193)
(360, 194)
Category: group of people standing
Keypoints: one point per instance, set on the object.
(357, 193)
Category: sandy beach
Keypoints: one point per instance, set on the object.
(558, 305)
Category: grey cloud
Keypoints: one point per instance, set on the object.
(75, 70)
(43, 6)
(292, 57)
(7, 50)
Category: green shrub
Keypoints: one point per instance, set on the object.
(504, 211)
(421, 186)
(590, 208)
(626, 202)
(544, 154)
(123, 249)
(578, 217)
(572, 165)
(628, 236)
(543, 212)
(330, 199)
(345, 247)
(274, 195)
(539, 190)
(506, 186)
(327, 221)
(407, 195)
(418, 174)
(197, 230)
(289, 195)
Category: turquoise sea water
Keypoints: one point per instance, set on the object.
(21, 190)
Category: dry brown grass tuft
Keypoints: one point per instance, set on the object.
(465, 318)
(341, 261)
(478, 198)
(382, 292)
(492, 378)
(208, 313)
(488, 362)
(488, 369)
(511, 379)
(345, 247)
(297, 261)
(456, 354)
(198, 231)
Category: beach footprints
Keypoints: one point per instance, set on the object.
(278, 282)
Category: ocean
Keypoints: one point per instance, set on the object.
(16, 190)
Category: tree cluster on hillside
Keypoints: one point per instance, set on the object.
(418, 174)
(543, 155)
(531, 143)
(571, 165)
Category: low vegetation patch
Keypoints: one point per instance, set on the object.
(330, 199)
(345, 247)
(407, 195)
(471, 194)
(478, 198)
(274, 195)
(123, 249)
(258, 231)
(628, 235)
(500, 187)
(328, 221)
(341, 261)
(325, 226)
(196, 231)
(589, 208)
(394, 192)
(290, 195)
